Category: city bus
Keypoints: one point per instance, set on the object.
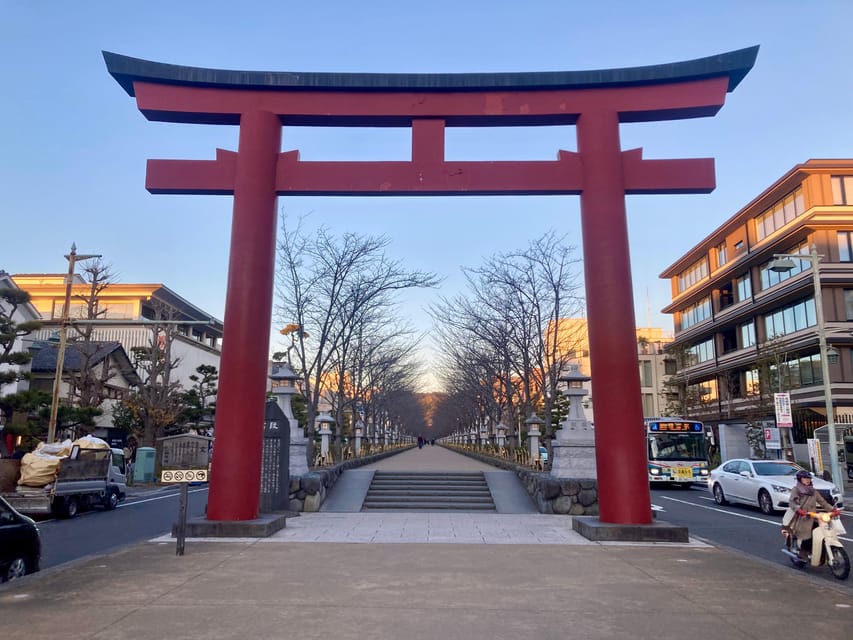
(677, 451)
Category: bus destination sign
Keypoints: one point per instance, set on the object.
(676, 426)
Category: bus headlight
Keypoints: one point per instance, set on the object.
(703, 472)
(654, 472)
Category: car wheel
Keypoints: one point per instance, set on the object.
(719, 496)
(69, 509)
(112, 501)
(16, 569)
(765, 502)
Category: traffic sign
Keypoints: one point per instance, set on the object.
(183, 475)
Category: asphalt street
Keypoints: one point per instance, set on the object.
(139, 518)
(738, 527)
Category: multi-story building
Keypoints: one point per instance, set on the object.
(744, 331)
(128, 311)
(653, 363)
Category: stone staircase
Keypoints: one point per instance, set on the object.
(428, 491)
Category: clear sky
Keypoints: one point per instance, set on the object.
(73, 146)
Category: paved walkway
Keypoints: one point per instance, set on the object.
(385, 576)
(274, 589)
(430, 458)
(349, 491)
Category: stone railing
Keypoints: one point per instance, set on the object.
(307, 492)
(562, 496)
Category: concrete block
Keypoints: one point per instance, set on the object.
(262, 527)
(591, 528)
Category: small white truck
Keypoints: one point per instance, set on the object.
(90, 477)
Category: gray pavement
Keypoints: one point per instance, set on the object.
(423, 576)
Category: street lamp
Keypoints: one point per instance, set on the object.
(784, 262)
(72, 258)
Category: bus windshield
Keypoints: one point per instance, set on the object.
(677, 446)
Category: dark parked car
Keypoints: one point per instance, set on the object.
(20, 544)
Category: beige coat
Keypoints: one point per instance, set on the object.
(802, 526)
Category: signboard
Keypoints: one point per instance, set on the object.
(184, 475)
(772, 439)
(783, 410)
(815, 454)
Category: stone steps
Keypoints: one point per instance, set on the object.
(428, 491)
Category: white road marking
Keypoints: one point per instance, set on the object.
(174, 494)
(738, 515)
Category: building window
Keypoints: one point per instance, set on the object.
(803, 371)
(701, 352)
(696, 272)
(790, 319)
(848, 303)
(739, 245)
(695, 313)
(845, 246)
(744, 288)
(702, 392)
(842, 189)
(747, 334)
(646, 373)
(119, 311)
(722, 256)
(752, 382)
(772, 278)
(648, 405)
(779, 214)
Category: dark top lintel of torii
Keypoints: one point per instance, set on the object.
(734, 65)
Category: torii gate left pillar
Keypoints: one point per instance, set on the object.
(597, 102)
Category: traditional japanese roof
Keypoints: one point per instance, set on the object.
(46, 354)
(734, 65)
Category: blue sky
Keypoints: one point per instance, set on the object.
(74, 146)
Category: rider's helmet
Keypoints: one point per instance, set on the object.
(802, 473)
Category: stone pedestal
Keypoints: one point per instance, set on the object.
(574, 452)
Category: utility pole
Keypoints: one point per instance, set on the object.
(63, 338)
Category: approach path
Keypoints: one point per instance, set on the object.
(430, 458)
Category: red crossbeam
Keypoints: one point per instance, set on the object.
(633, 104)
(560, 177)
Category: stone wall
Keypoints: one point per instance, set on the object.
(308, 491)
(562, 496)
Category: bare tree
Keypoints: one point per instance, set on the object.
(156, 404)
(329, 287)
(505, 335)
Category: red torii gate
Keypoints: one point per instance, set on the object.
(596, 102)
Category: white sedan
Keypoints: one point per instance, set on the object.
(764, 483)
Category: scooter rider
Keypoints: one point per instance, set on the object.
(803, 499)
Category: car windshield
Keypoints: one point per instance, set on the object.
(776, 468)
(677, 446)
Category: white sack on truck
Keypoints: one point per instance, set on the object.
(58, 449)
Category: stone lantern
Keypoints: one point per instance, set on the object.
(359, 431)
(283, 387)
(325, 421)
(533, 434)
(574, 446)
(501, 429)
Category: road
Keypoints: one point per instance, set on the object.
(97, 531)
(739, 527)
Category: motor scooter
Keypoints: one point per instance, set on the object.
(825, 547)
